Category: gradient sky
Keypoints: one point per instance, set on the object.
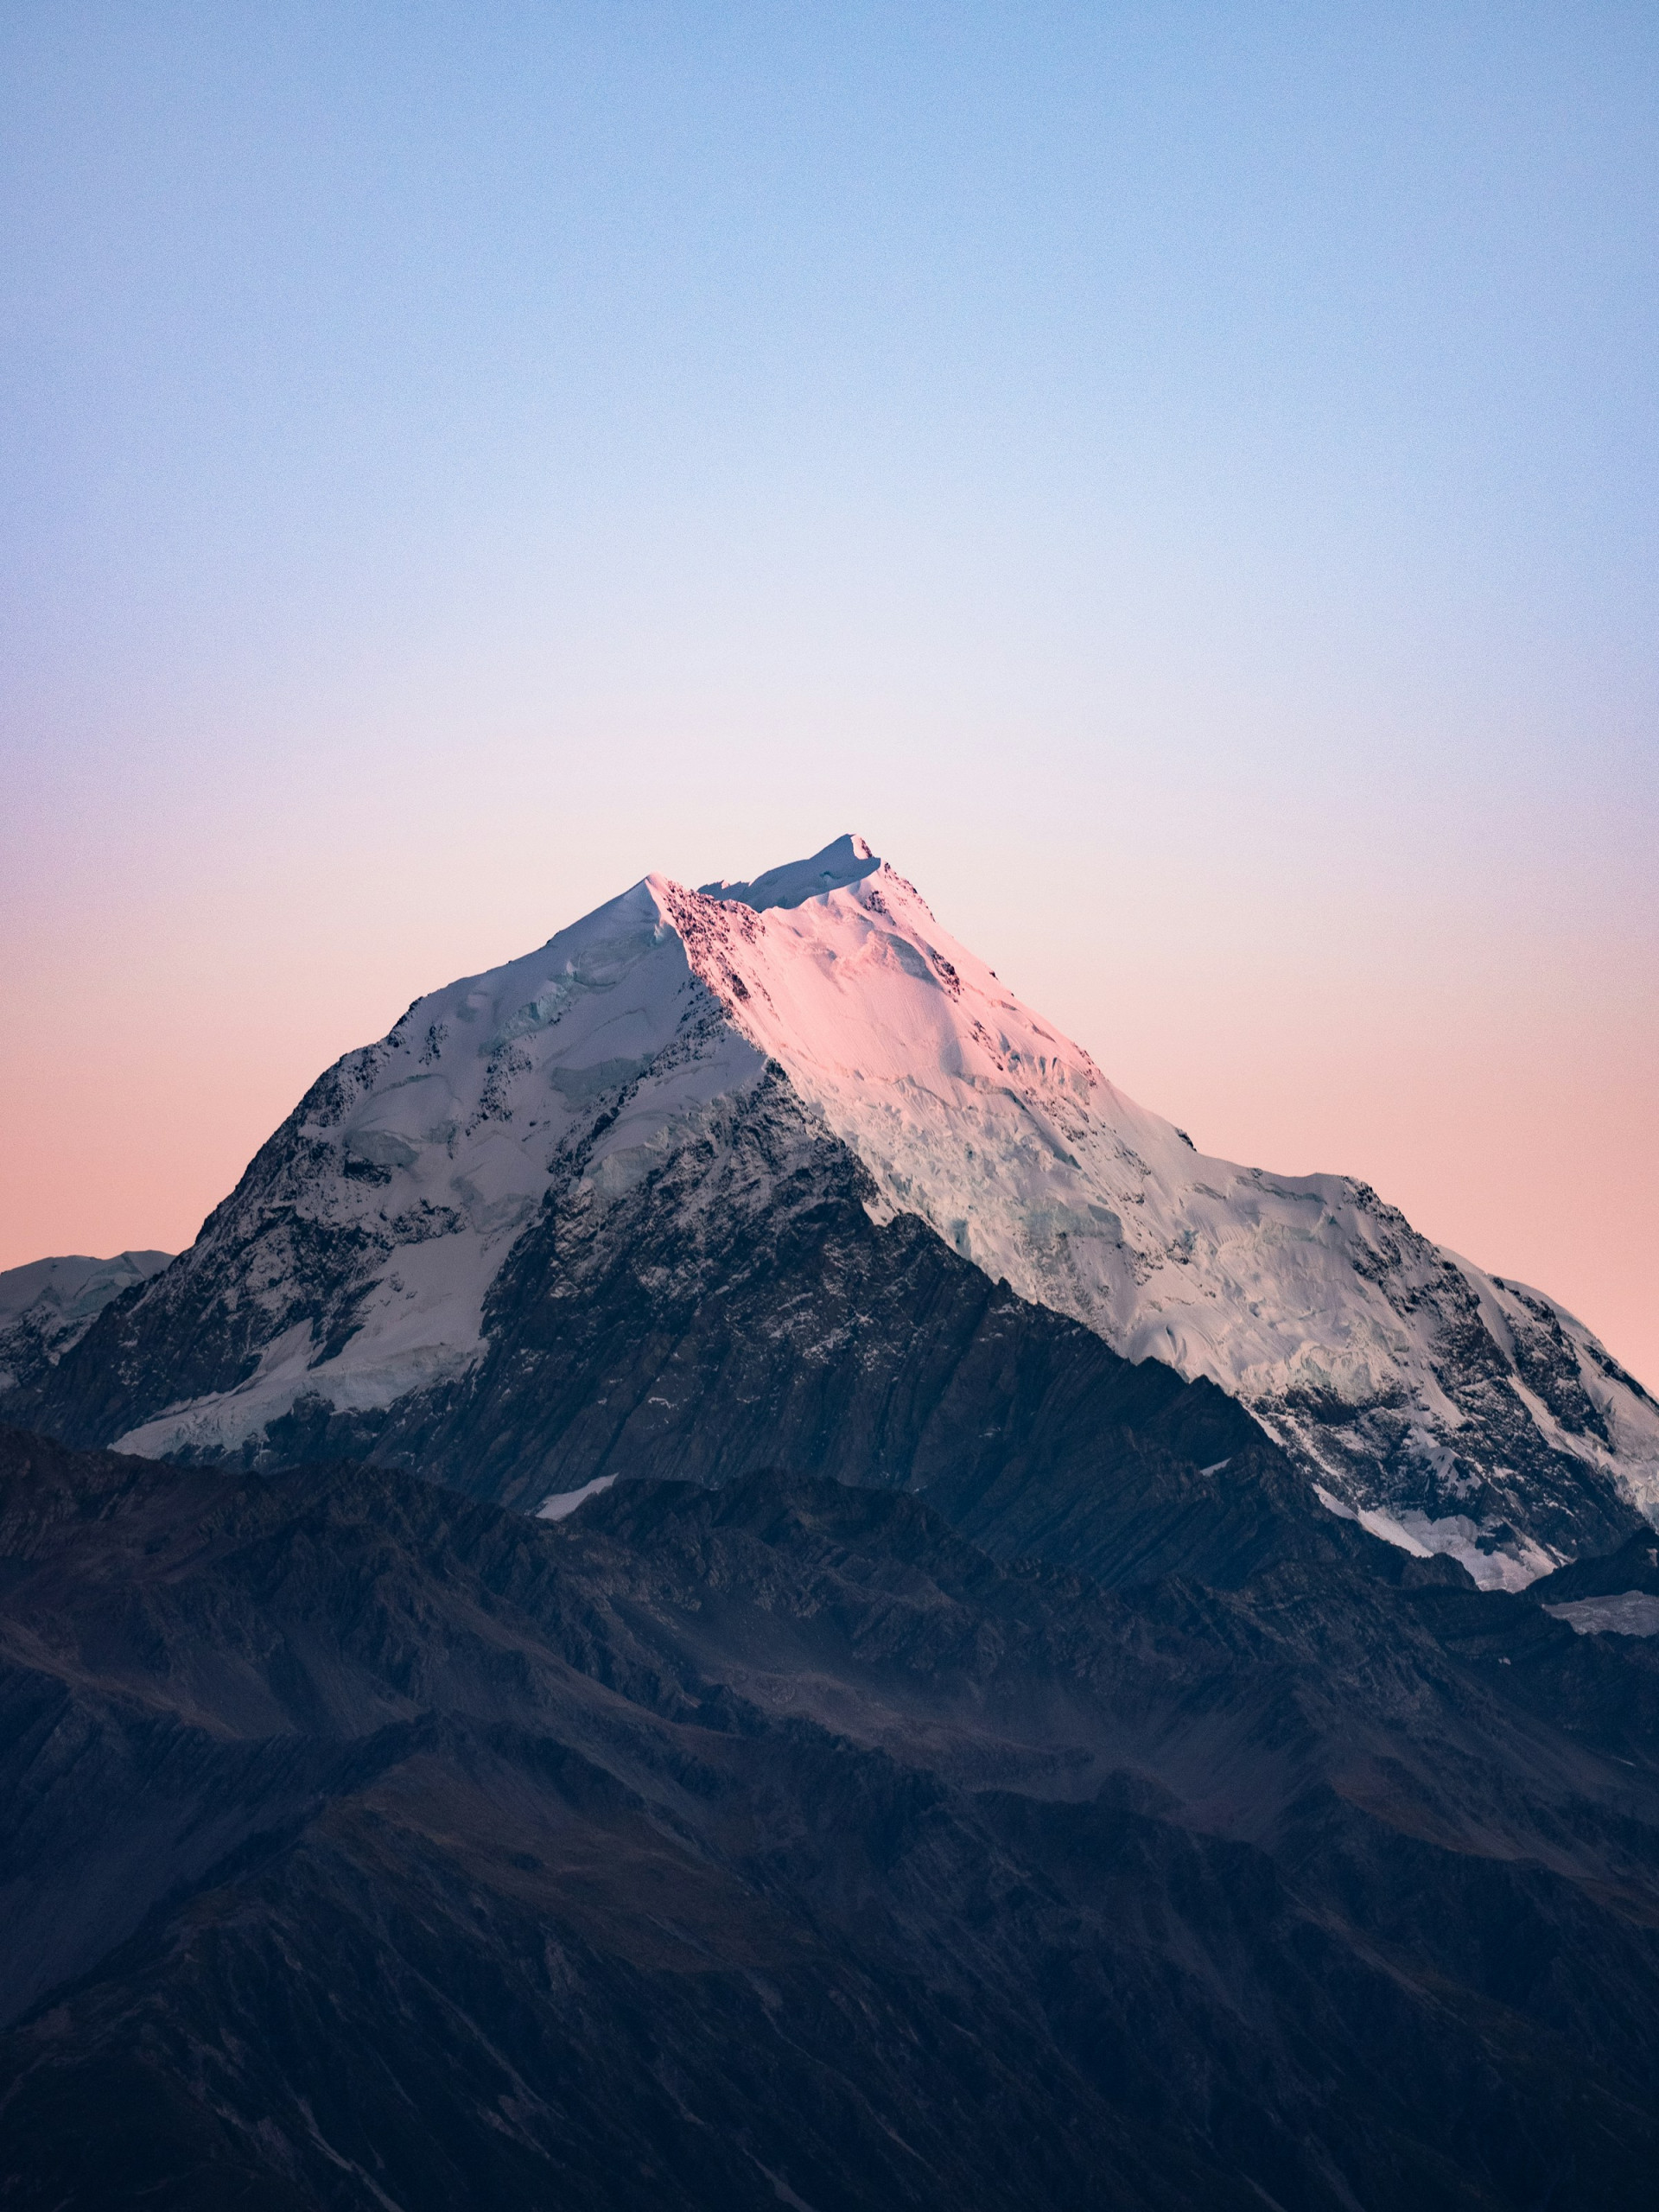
(1183, 481)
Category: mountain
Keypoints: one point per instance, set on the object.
(776, 1170)
(363, 1845)
(48, 1307)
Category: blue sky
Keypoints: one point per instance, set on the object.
(1181, 480)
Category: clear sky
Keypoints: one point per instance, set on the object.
(1181, 480)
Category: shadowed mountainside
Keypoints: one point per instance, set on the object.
(738, 1308)
(364, 1844)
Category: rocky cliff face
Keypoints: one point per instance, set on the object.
(365, 1845)
(665, 1195)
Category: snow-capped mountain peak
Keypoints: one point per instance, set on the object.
(848, 860)
(361, 1261)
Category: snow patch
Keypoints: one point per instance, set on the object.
(1453, 1536)
(1634, 1613)
(560, 1504)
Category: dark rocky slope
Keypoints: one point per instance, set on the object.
(738, 1308)
(363, 1845)
(735, 1307)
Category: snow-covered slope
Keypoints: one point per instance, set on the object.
(354, 1265)
(1405, 1375)
(48, 1305)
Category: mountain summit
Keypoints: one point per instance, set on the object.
(769, 1170)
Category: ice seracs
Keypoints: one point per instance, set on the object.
(1447, 1409)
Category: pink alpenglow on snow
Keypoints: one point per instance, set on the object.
(1357, 1343)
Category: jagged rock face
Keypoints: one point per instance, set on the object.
(737, 1307)
(364, 1844)
(47, 1307)
(445, 1246)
